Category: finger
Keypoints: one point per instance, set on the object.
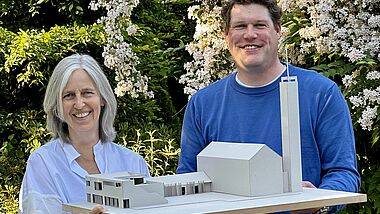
(97, 210)
(308, 184)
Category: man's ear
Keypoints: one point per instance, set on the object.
(277, 27)
(227, 38)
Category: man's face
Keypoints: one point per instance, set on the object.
(252, 38)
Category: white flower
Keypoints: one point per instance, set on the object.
(373, 96)
(348, 80)
(131, 30)
(117, 53)
(355, 54)
(374, 21)
(368, 115)
(310, 32)
(208, 49)
(356, 101)
(373, 75)
(191, 11)
(93, 5)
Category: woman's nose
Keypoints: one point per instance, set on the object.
(79, 103)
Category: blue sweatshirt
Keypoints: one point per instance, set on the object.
(227, 111)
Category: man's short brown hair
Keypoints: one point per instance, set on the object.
(274, 11)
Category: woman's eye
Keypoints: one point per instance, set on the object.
(67, 96)
(88, 93)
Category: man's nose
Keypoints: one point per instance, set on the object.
(250, 32)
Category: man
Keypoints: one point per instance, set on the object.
(245, 106)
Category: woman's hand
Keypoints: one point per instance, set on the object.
(98, 209)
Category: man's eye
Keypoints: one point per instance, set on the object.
(239, 26)
(260, 25)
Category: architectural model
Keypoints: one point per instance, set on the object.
(233, 168)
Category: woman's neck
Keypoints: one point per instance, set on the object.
(83, 141)
(87, 158)
(84, 145)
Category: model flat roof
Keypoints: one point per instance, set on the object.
(181, 178)
(117, 176)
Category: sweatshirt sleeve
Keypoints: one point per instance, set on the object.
(336, 143)
(192, 140)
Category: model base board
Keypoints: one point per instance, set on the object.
(213, 202)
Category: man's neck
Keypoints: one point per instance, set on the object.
(260, 76)
(258, 86)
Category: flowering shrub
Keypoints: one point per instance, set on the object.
(364, 90)
(117, 53)
(209, 50)
(350, 30)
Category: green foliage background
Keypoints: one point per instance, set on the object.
(36, 34)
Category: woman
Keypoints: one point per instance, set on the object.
(80, 107)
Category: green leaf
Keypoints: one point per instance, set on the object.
(41, 1)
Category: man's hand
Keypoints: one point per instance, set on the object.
(307, 184)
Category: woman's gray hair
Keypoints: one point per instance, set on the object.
(53, 105)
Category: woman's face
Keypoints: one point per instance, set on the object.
(81, 104)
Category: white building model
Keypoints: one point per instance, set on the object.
(234, 168)
(125, 190)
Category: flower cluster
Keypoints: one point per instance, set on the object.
(117, 53)
(350, 28)
(209, 50)
(347, 28)
(366, 99)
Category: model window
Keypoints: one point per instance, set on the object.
(109, 183)
(97, 199)
(98, 185)
(138, 181)
(126, 203)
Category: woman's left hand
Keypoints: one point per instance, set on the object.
(98, 209)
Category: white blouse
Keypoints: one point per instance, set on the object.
(53, 177)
